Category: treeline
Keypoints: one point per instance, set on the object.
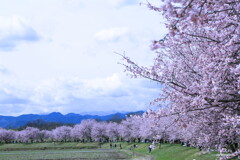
(133, 129)
(43, 125)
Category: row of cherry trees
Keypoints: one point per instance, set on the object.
(88, 130)
(132, 129)
(135, 128)
(198, 65)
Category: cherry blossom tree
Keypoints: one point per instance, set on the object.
(44, 135)
(113, 131)
(62, 133)
(198, 65)
(130, 128)
(6, 135)
(86, 129)
(99, 131)
(136, 121)
(76, 132)
(147, 129)
(29, 134)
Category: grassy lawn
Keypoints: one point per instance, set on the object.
(44, 146)
(176, 152)
(74, 151)
(63, 155)
(169, 152)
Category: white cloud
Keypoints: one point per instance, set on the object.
(70, 50)
(77, 95)
(111, 34)
(63, 90)
(14, 30)
(108, 83)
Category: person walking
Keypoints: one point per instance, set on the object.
(159, 145)
(149, 148)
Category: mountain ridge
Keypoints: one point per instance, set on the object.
(73, 118)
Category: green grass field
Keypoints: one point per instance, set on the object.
(75, 151)
(169, 152)
(176, 152)
(44, 146)
(66, 154)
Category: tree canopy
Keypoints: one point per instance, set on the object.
(198, 65)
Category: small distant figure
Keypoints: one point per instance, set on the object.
(120, 146)
(159, 145)
(149, 148)
(110, 145)
(134, 145)
(115, 145)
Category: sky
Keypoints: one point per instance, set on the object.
(60, 55)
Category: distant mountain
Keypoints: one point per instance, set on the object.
(71, 118)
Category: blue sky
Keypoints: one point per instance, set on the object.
(58, 55)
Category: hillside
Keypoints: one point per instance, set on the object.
(71, 118)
